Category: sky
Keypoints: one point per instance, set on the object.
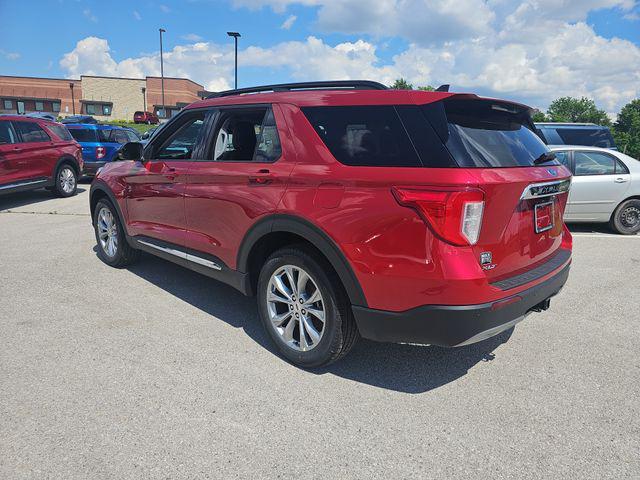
(531, 51)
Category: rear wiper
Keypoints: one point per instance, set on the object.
(544, 158)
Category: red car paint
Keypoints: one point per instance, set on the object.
(146, 117)
(26, 165)
(400, 261)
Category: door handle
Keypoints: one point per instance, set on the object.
(621, 180)
(17, 149)
(263, 177)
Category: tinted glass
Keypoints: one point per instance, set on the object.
(591, 137)
(31, 132)
(364, 136)
(55, 106)
(594, 163)
(487, 134)
(120, 136)
(90, 109)
(180, 145)
(621, 168)
(247, 134)
(83, 134)
(563, 158)
(132, 136)
(8, 104)
(39, 106)
(6, 133)
(61, 132)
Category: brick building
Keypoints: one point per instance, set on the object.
(105, 98)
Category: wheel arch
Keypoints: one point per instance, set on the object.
(100, 190)
(66, 159)
(277, 231)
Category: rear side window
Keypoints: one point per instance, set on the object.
(486, 134)
(83, 134)
(31, 132)
(590, 137)
(247, 135)
(61, 132)
(594, 163)
(364, 135)
(6, 133)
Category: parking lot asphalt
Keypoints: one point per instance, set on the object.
(157, 372)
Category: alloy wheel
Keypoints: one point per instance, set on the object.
(296, 308)
(67, 180)
(107, 232)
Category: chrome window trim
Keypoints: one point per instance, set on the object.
(184, 255)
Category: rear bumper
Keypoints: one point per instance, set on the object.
(454, 325)
(91, 168)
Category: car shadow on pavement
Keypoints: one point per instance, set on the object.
(589, 228)
(21, 199)
(403, 368)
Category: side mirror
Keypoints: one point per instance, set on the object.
(131, 151)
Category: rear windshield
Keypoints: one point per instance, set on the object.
(139, 113)
(83, 134)
(591, 137)
(485, 134)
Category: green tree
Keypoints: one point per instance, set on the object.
(428, 88)
(401, 84)
(569, 109)
(626, 130)
(538, 115)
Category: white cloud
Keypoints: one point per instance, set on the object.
(137, 15)
(11, 55)
(192, 37)
(288, 23)
(89, 15)
(521, 52)
(164, 8)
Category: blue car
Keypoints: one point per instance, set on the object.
(100, 143)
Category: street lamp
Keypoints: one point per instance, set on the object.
(144, 99)
(164, 113)
(235, 36)
(73, 102)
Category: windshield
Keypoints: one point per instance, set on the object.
(486, 134)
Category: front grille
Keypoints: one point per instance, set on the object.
(540, 271)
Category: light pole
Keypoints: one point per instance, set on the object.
(144, 99)
(73, 102)
(235, 36)
(164, 113)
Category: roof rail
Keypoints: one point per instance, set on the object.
(287, 87)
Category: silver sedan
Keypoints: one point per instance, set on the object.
(605, 187)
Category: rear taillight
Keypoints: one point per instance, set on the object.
(100, 152)
(455, 215)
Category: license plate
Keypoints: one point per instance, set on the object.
(543, 217)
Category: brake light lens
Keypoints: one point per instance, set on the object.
(455, 215)
(100, 152)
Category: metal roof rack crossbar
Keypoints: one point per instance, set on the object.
(287, 87)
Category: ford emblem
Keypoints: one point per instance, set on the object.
(552, 172)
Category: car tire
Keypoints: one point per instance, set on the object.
(112, 246)
(66, 181)
(323, 342)
(626, 218)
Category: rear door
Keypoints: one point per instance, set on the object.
(87, 137)
(243, 177)
(155, 188)
(37, 150)
(599, 184)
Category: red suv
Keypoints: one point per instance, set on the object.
(146, 117)
(349, 210)
(37, 153)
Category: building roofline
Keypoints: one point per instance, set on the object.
(42, 78)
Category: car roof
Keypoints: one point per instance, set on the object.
(97, 126)
(340, 97)
(570, 125)
(26, 118)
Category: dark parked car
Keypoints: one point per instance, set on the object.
(349, 210)
(587, 134)
(100, 143)
(146, 117)
(37, 153)
(79, 119)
